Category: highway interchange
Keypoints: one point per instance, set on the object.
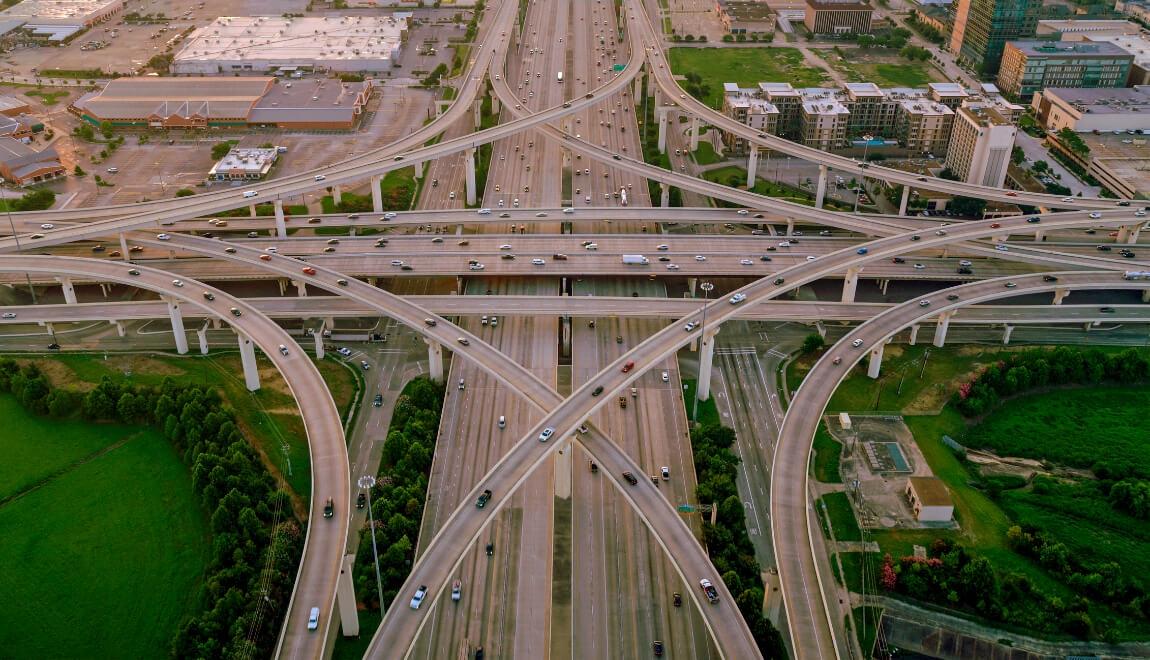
(513, 367)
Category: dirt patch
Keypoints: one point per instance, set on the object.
(270, 378)
(58, 374)
(891, 351)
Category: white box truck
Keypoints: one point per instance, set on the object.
(636, 259)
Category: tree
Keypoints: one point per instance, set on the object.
(812, 343)
(78, 171)
(185, 192)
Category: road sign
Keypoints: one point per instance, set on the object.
(618, 67)
(686, 508)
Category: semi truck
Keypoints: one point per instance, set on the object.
(636, 259)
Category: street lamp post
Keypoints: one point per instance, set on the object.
(862, 180)
(706, 287)
(367, 482)
(16, 236)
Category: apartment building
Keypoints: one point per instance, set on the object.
(980, 144)
(1031, 66)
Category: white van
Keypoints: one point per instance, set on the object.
(251, 193)
(502, 422)
(313, 619)
(461, 385)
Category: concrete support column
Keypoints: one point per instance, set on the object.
(904, 201)
(345, 598)
(418, 169)
(706, 359)
(692, 282)
(477, 112)
(282, 283)
(821, 191)
(248, 359)
(1059, 295)
(1039, 236)
(459, 285)
(664, 195)
(565, 336)
(496, 106)
(1145, 295)
(1134, 232)
(638, 91)
(875, 365)
(318, 336)
(1129, 233)
(883, 285)
(300, 287)
(202, 335)
(821, 328)
(662, 130)
(752, 165)
(281, 222)
(124, 253)
(376, 194)
(850, 284)
(695, 127)
(1006, 332)
(337, 194)
(105, 289)
(351, 231)
(469, 167)
(790, 227)
(120, 329)
(252, 211)
(177, 325)
(943, 326)
(69, 290)
(435, 360)
(913, 334)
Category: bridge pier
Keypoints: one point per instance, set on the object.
(469, 168)
(1060, 294)
(943, 326)
(248, 359)
(913, 334)
(850, 284)
(105, 289)
(345, 598)
(337, 194)
(177, 325)
(435, 360)
(69, 290)
(883, 285)
(904, 201)
(1145, 295)
(662, 130)
(664, 195)
(752, 165)
(790, 227)
(124, 253)
(706, 359)
(376, 194)
(418, 167)
(692, 282)
(821, 191)
(460, 285)
(252, 210)
(282, 284)
(821, 328)
(202, 336)
(1007, 330)
(300, 287)
(318, 336)
(496, 106)
(1039, 236)
(1129, 233)
(874, 366)
(120, 329)
(281, 222)
(565, 336)
(695, 134)
(477, 112)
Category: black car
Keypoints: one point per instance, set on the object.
(965, 271)
(1049, 278)
(53, 346)
(657, 647)
(630, 478)
(329, 508)
(361, 501)
(378, 401)
(490, 549)
(764, 258)
(597, 391)
(779, 280)
(1103, 248)
(678, 599)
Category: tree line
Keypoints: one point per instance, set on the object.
(727, 541)
(256, 542)
(1036, 369)
(400, 492)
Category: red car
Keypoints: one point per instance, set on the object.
(629, 366)
(995, 225)
(308, 270)
(265, 257)
(1012, 194)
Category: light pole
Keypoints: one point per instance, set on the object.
(16, 235)
(862, 179)
(367, 482)
(706, 287)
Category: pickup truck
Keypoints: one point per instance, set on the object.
(710, 590)
(483, 499)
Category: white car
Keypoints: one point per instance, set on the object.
(568, 210)
(456, 590)
(417, 599)
(164, 237)
(9, 315)
(1001, 247)
(177, 283)
(484, 211)
(47, 225)
(738, 298)
(505, 247)
(691, 325)
(784, 243)
(666, 377)
(390, 215)
(811, 257)
(546, 434)
(924, 303)
(283, 350)
(663, 248)
(742, 211)
(538, 262)
(1096, 215)
(699, 257)
(919, 267)
(344, 351)
(476, 267)
(746, 262)
(313, 619)
(856, 343)
(397, 262)
(320, 177)
(672, 266)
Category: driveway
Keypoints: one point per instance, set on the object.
(1032, 147)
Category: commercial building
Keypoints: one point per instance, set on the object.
(1138, 45)
(81, 13)
(267, 44)
(1087, 110)
(11, 106)
(834, 17)
(745, 16)
(206, 102)
(980, 144)
(1078, 30)
(929, 499)
(1031, 66)
(244, 164)
(23, 165)
(982, 28)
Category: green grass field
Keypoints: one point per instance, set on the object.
(837, 508)
(705, 154)
(826, 460)
(104, 554)
(746, 66)
(1072, 427)
(708, 413)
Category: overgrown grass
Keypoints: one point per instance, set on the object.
(708, 413)
(746, 66)
(705, 154)
(826, 459)
(836, 508)
(105, 558)
(47, 97)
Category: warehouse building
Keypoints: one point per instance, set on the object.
(213, 102)
(23, 165)
(82, 13)
(1099, 110)
(271, 44)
